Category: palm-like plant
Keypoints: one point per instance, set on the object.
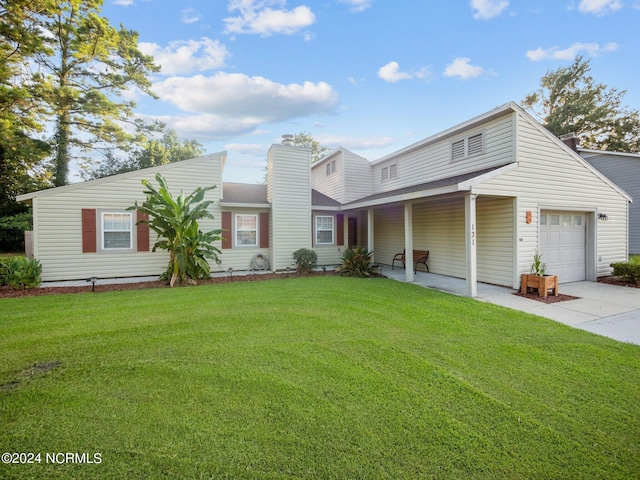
(356, 262)
(175, 220)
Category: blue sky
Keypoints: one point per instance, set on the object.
(370, 75)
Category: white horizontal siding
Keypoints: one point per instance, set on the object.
(358, 177)
(388, 233)
(58, 220)
(438, 226)
(331, 185)
(549, 176)
(495, 246)
(289, 191)
(433, 162)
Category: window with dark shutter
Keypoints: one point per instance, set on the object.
(340, 229)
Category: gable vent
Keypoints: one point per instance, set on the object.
(467, 147)
(457, 150)
(475, 144)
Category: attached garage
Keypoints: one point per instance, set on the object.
(563, 244)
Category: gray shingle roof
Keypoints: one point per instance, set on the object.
(443, 182)
(244, 193)
(257, 194)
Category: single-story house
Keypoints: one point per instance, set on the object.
(482, 197)
(624, 170)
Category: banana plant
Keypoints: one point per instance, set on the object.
(175, 221)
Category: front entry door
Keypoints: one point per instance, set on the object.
(352, 234)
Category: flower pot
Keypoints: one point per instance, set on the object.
(541, 283)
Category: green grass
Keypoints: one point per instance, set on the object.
(322, 377)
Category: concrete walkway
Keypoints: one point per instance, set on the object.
(609, 310)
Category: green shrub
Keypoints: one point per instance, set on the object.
(20, 272)
(629, 271)
(306, 260)
(356, 262)
(12, 228)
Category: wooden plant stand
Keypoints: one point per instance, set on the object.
(542, 283)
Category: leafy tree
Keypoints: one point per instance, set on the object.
(305, 139)
(154, 152)
(175, 220)
(92, 65)
(22, 105)
(570, 101)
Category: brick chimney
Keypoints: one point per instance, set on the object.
(570, 140)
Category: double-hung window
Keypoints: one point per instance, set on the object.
(324, 230)
(117, 231)
(246, 230)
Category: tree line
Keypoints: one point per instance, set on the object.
(63, 74)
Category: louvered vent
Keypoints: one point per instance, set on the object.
(393, 171)
(457, 150)
(475, 144)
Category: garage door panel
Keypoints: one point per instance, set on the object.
(563, 245)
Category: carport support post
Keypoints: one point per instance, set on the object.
(370, 233)
(471, 236)
(408, 241)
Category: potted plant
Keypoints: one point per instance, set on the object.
(537, 279)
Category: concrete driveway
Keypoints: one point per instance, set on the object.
(608, 310)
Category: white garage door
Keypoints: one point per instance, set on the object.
(563, 244)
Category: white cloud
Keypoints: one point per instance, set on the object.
(461, 67)
(257, 16)
(123, 3)
(189, 15)
(207, 126)
(238, 103)
(599, 7)
(554, 53)
(486, 9)
(186, 56)
(354, 143)
(246, 148)
(391, 73)
(357, 5)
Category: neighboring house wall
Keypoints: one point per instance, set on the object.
(289, 192)
(624, 171)
(58, 220)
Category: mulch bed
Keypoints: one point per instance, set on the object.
(563, 298)
(618, 281)
(548, 299)
(7, 292)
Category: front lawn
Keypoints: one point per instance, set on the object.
(322, 377)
